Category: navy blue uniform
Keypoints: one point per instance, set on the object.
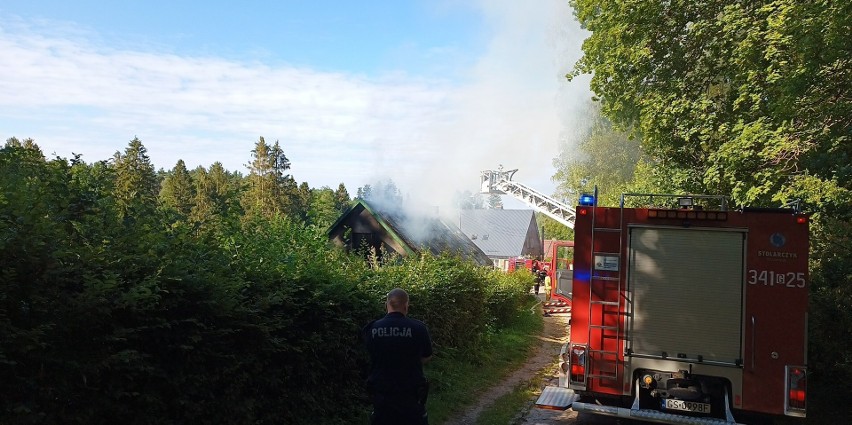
(397, 344)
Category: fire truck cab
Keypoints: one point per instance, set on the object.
(686, 311)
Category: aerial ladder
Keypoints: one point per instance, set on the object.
(500, 182)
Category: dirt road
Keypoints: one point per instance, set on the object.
(545, 359)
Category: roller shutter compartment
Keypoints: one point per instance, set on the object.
(686, 287)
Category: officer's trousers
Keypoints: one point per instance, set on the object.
(398, 409)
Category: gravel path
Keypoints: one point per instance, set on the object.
(545, 358)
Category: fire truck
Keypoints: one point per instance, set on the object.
(558, 264)
(686, 311)
(501, 182)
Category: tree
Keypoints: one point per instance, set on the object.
(323, 209)
(136, 185)
(552, 229)
(302, 202)
(495, 202)
(605, 158)
(747, 99)
(383, 193)
(469, 201)
(178, 191)
(271, 190)
(341, 198)
(365, 192)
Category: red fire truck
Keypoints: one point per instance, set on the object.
(688, 311)
(558, 264)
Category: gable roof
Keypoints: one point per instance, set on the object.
(498, 232)
(416, 232)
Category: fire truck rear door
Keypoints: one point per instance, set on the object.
(686, 286)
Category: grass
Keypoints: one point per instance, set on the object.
(505, 409)
(457, 381)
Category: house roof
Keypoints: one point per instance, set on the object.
(497, 232)
(416, 232)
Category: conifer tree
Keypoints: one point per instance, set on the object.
(178, 191)
(136, 185)
(341, 198)
(261, 196)
(202, 204)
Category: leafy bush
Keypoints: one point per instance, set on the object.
(128, 313)
(507, 294)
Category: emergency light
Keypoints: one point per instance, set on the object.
(587, 200)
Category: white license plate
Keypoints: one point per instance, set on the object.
(686, 406)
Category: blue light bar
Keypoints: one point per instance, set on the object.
(587, 200)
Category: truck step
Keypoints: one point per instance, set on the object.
(556, 398)
(608, 328)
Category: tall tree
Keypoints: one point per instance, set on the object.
(270, 189)
(301, 204)
(136, 185)
(203, 204)
(341, 198)
(749, 99)
(177, 190)
(605, 158)
(323, 209)
(365, 192)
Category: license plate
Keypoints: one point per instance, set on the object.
(686, 406)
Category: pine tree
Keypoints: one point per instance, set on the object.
(495, 202)
(203, 205)
(136, 185)
(178, 191)
(262, 194)
(341, 198)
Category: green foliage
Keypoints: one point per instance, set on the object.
(382, 192)
(178, 191)
(506, 295)
(746, 99)
(112, 310)
(455, 383)
(553, 229)
(605, 158)
(136, 184)
(271, 190)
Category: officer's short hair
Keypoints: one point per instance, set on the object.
(397, 298)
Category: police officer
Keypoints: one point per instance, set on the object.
(398, 347)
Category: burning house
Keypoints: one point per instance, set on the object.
(381, 230)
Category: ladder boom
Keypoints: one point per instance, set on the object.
(500, 182)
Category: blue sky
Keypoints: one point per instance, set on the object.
(427, 93)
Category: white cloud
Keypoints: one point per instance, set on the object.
(73, 93)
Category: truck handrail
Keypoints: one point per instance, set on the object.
(721, 199)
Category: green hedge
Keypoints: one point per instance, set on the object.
(108, 317)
